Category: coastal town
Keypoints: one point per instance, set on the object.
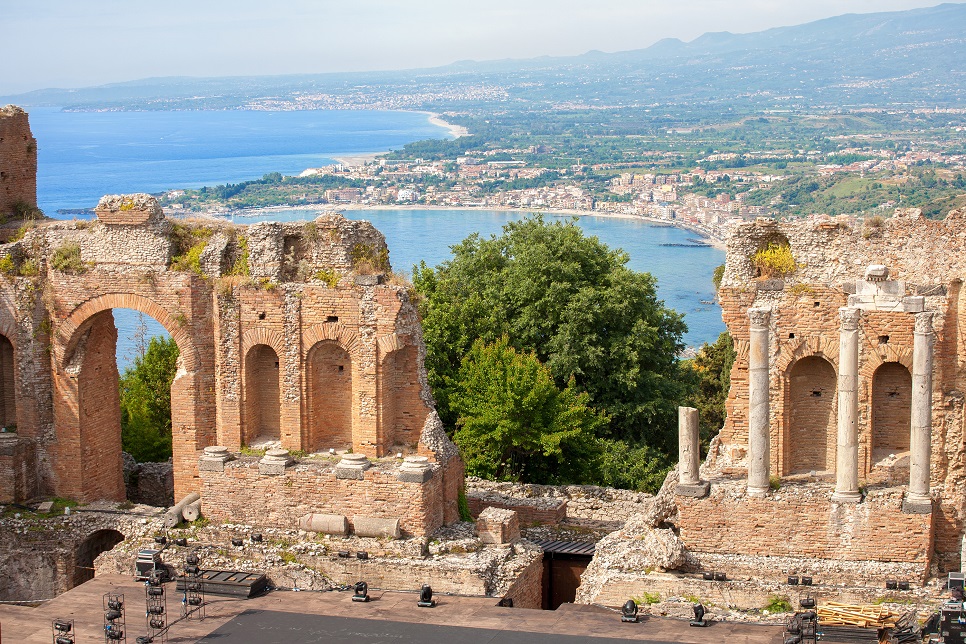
(707, 201)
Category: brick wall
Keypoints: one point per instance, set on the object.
(18, 160)
(262, 417)
(329, 397)
(240, 494)
(800, 521)
(527, 590)
(530, 511)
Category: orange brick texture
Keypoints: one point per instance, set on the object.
(548, 512)
(18, 161)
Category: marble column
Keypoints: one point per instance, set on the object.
(920, 440)
(689, 454)
(759, 434)
(847, 446)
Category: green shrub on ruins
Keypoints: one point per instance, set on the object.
(366, 260)
(328, 276)
(190, 243)
(240, 268)
(7, 265)
(67, 259)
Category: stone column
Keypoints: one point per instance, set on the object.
(759, 434)
(847, 447)
(689, 454)
(920, 441)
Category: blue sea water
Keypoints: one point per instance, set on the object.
(84, 155)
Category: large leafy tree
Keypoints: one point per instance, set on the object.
(515, 424)
(146, 401)
(572, 301)
(712, 369)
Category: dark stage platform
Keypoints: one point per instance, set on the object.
(275, 627)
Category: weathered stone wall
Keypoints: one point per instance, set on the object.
(580, 502)
(527, 590)
(240, 494)
(18, 161)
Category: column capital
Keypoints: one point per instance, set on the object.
(759, 317)
(924, 322)
(849, 316)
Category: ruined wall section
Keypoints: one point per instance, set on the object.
(18, 162)
(926, 259)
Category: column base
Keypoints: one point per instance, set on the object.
(846, 497)
(697, 490)
(758, 491)
(917, 505)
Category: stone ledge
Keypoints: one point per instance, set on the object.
(916, 507)
(697, 490)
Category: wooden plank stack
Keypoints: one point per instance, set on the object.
(861, 615)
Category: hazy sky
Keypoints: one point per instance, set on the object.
(76, 43)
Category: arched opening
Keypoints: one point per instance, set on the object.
(891, 410)
(328, 397)
(262, 401)
(811, 409)
(114, 393)
(8, 390)
(403, 410)
(89, 549)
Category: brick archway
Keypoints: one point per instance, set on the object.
(810, 416)
(87, 447)
(329, 382)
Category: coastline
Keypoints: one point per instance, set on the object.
(457, 131)
(555, 212)
(363, 158)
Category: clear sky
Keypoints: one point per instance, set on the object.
(77, 43)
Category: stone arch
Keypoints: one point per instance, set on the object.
(87, 451)
(891, 409)
(88, 550)
(402, 411)
(810, 415)
(883, 354)
(262, 391)
(807, 346)
(328, 396)
(8, 381)
(67, 334)
(336, 331)
(254, 337)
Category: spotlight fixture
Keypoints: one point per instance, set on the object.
(237, 542)
(257, 537)
(629, 612)
(63, 625)
(426, 597)
(698, 616)
(720, 576)
(144, 639)
(708, 576)
(807, 602)
(903, 585)
(192, 559)
(343, 554)
(793, 580)
(361, 592)
(160, 539)
(362, 554)
(891, 584)
(181, 542)
(806, 581)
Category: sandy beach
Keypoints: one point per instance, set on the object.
(456, 130)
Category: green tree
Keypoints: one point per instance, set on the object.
(514, 424)
(146, 402)
(712, 370)
(572, 301)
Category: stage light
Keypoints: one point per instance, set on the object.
(156, 610)
(892, 585)
(144, 639)
(629, 611)
(191, 570)
(115, 604)
(903, 585)
(160, 539)
(708, 576)
(343, 554)
(112, 615)
(806, 581)
(237, 542)
(194, 601)
(361, 593)
(426, 597)
(793, 580)
(257, 537)
(720, 576)
(362, 554)
(181, 542)
(192, 559)
(698, 616)
(63, 626)
(156, 591)
(156, 623)
(807, 602)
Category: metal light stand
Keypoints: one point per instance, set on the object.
(193, 600)
(114, 628)
(63, 631)
(156, 605)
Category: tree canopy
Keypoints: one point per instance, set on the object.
(514, 424)
(146, 401)
(575, 304)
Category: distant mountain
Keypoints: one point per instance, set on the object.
(915, 57)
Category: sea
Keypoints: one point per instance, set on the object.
(84, 155)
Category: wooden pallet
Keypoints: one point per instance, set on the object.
(860, 615)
